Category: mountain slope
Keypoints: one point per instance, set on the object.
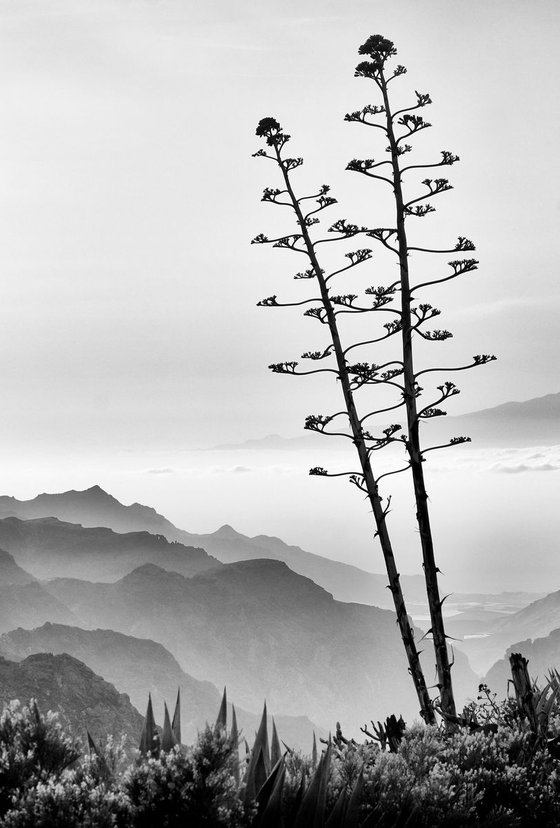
(10, 572)
(527, 423)
(51, 548)
(536, 620)
(95, 508)
(266, 633)
(30, 604)
(543, 655)
(83, 699)
(137, 667)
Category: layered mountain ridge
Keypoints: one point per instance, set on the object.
(266, 633)
(49, 547)
(94, 508)
(138, 667)
(83, 700)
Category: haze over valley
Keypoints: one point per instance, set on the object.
(271, 553)
(117, 585)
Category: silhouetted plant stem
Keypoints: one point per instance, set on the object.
(276, 139)
(411, 318)
(413, 423)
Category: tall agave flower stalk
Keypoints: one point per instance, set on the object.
(351, 377)
(398, 128)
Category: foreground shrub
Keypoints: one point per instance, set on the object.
(506, 775)
(77, 798)
(187, 786)
(467, 778)
(33, 748)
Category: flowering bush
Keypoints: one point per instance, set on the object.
(33, 748)
(193, 785)
(77, 797)
(471, 777)
(504, 776)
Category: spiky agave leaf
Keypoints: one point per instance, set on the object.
(296, 804)
(234, 741)
(101, 761)
(259, 763)
(353, 811)
(336, 818)
(314, 752)
(545, 702)
(168, 741)
(269, 798)
(221, 721)
(93, 749)
(275, 749)
(234, 733)
(176, 723)
(262, 740)
(149, 740)
(256, 775)
(311, 813)
(261, 774)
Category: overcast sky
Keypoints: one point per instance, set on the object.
(129, 197)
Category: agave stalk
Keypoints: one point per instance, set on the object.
(411, 319)
(270, 129)
(413, 423)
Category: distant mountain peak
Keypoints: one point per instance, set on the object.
(97, 490)
(227, 531)
(149, 570)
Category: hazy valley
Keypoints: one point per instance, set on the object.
(150, 607)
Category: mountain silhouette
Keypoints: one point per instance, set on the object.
(94, 508)
(83, 700)
(49, 547)
(527, 423)
(138, 666)
(267, 633)
(30, 604)
(10, 572)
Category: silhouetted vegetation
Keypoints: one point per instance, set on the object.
(407, 316)
(499, 767)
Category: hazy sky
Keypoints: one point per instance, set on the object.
(128, 326)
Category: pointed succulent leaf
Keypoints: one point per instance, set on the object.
(336, 817)
(272, 816)
(259, 762)
(267, 790)
(314, 752)
(101, 760)
(149, 740)
(221, 721)
(262, 740)
(353, 810)
(176, 723)
(168, 741)
(275, 749)
(261, 773)
(311, 813)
